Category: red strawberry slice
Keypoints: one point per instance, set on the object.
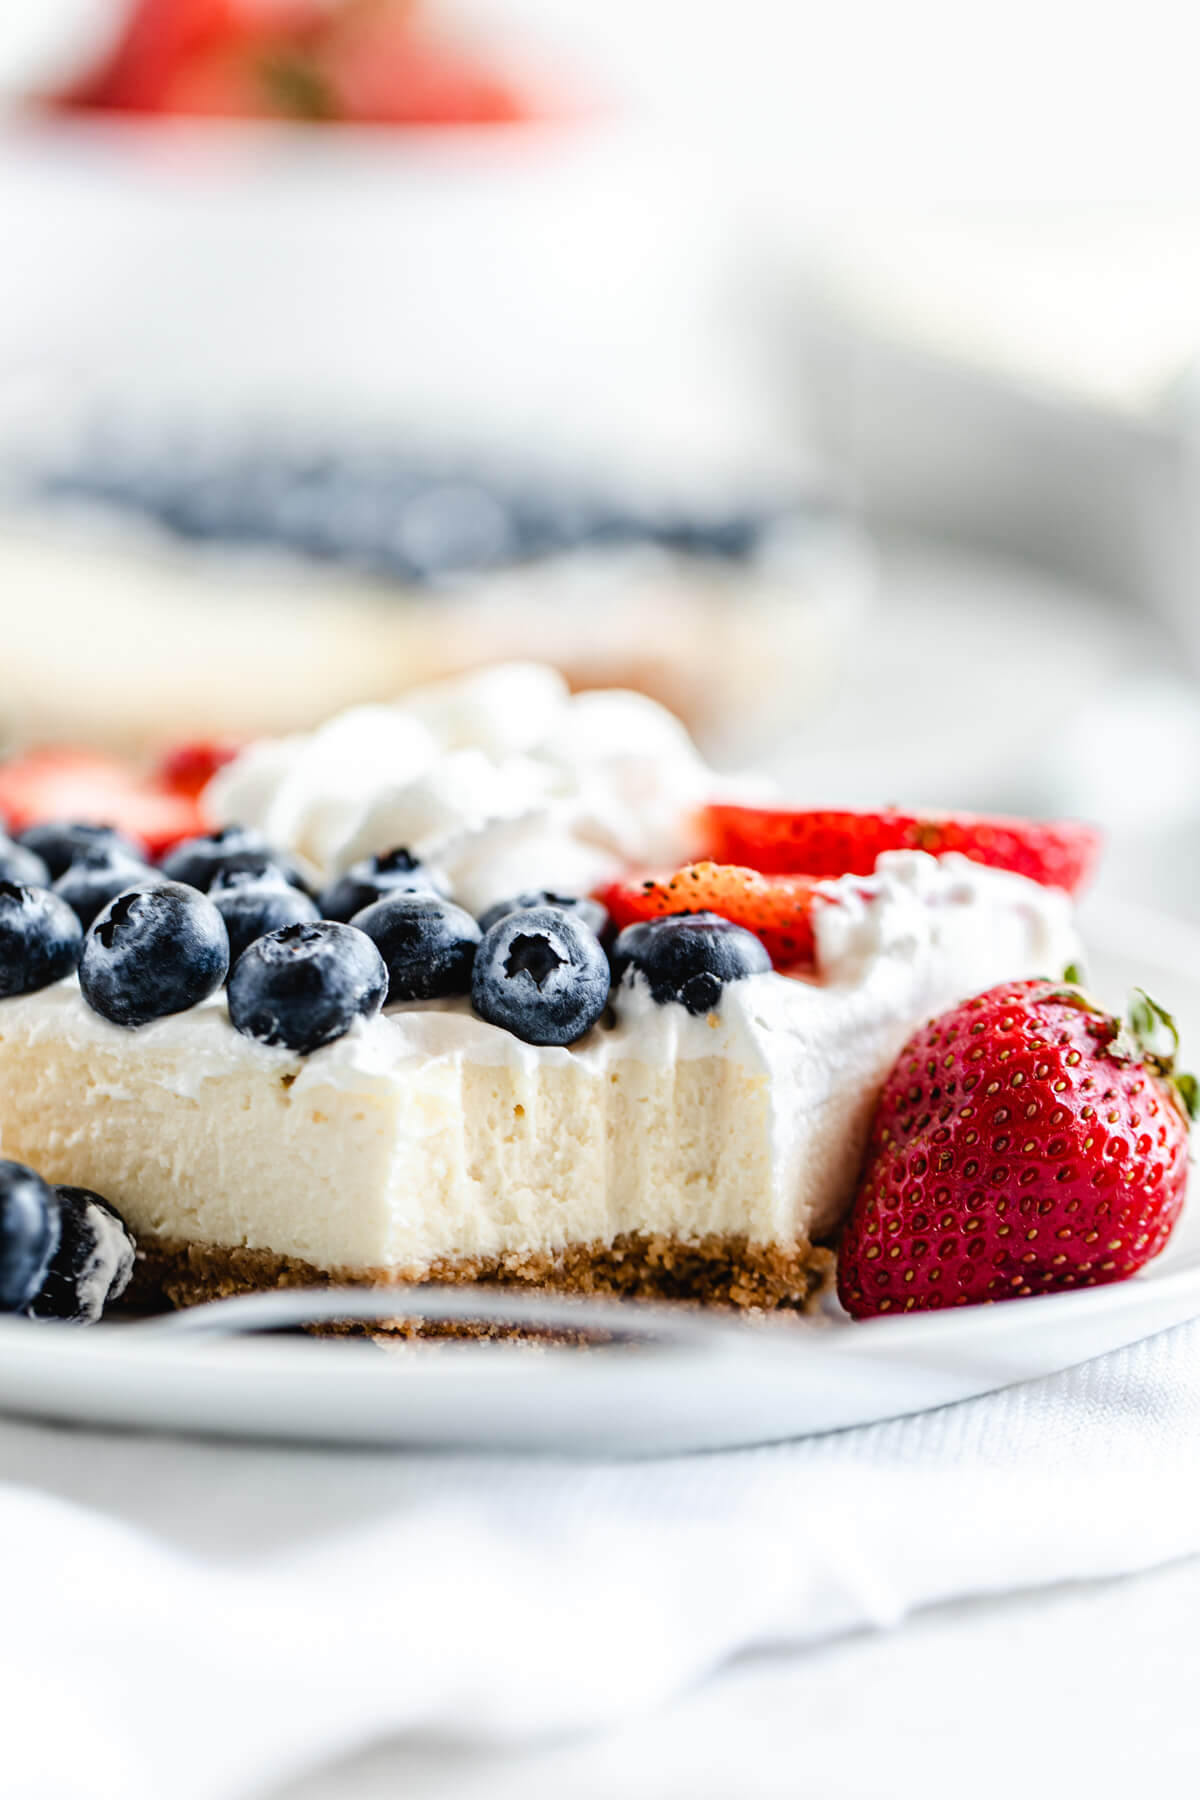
(1059, 853)
(380, 72)
(778, 909)
(249, 80)
(363, 60)
(189, 768)
(157, 37)
(381, 64)
(103, 790)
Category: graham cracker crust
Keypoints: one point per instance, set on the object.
(715, 1271)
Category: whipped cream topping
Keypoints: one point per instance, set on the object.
(503, 780)
(946, 912)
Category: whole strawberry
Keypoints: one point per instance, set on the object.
(1024, 1142)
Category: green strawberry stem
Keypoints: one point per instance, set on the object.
(1148, 1024)
(296, 86)
(1141, 1038)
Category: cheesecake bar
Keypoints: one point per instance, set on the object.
(410, 1013)
(667, 1151)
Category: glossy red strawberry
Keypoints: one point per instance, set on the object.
(84, 786)
(1024, 1142)
(1057, 853)
(777, 909)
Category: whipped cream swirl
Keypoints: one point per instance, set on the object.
(503, 780)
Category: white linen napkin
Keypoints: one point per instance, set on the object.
(214, 1620)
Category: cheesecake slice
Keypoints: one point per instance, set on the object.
(665, 1153)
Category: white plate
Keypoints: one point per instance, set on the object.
(686, 1383)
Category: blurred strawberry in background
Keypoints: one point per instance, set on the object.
(364, 61)
(159, 38)
(381, 64)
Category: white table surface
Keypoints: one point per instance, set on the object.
(1098, 1697)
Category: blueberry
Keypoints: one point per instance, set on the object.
(197, 861)
(153, 951)
(731, 537)
(427, 943)
(274, 865)
(542, 975)
(59, 843)
(97, 876)
(689, 957)
(21, 866)
(590, 912)
(395, 872)
(306, 985)
(253, 897)
(451, 526)
(40, 939)
(92, 1264)
(29, 1234)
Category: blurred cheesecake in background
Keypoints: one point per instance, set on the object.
(292, 418)
(255, 595)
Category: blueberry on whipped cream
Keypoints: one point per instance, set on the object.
(29, 1234)
(59, 842)
(374, 878)
(40, 939)
(199, 860)
(22, 866)
(253, 896)
(92, 1264)
(542, 975)
(428, 944)
(153, 951)
(591, 912)
(97, 875)
(306, 985)
(689, 958)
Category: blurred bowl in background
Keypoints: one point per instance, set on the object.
(558, 289)
(130, 624)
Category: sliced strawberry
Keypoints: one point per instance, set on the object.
(380, 70)
(1057, 853)
(363, 60)
(103, 790)
(197, 56)
(778, 909)
(235, 81)
(188, 769)
(157, 37)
